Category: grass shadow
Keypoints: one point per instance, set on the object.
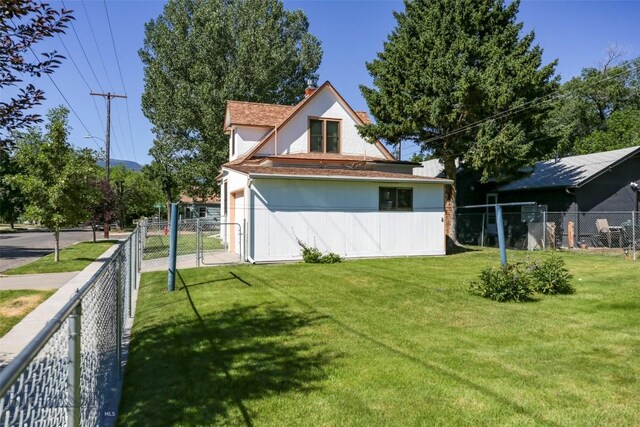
(207, 370)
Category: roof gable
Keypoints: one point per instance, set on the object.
(360, 118)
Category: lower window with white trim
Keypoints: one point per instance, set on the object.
(396, 199)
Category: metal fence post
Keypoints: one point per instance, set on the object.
(130, 274)
(173, 250)
(482, 232)
(118, 314)
(73, 370)
(634, 232)
(198, 243)
(544, 230)
(501, 242)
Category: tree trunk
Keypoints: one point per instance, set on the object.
(56, 251)
(450, 204)
(93, 229)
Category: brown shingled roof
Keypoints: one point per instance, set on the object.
(328, 172)
(256, 114)
(364, 117)
(188, 199)
(325, 156)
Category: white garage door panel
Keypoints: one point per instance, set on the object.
(343, 218)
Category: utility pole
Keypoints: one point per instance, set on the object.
(107, 141)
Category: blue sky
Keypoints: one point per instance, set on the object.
(352, 32)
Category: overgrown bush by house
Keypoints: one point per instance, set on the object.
(551, 276)
(311, 254)
(511, 282)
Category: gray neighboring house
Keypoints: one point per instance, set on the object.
(194, 207)
(597, 182)
(577, 189)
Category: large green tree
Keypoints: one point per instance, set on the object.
(200, 53)
(55, 178)
(134, 194)
(24, 23)
(598, 110)
(449, 64)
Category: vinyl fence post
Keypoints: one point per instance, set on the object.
(173, 243)
(501, 242)
(73, 370)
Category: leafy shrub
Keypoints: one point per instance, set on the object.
(511, 282)
(330, 258)
(551, 276)
(313, 255)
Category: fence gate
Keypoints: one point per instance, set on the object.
(219, 242)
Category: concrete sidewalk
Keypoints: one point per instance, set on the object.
(36, 281)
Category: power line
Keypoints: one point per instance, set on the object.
(560, 93)
(95, 41)
(107, 140)
(83, 79)
(73, 28)
(523, 107)
(65, 98)
(113, 43)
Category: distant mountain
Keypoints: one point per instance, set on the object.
(136, 167)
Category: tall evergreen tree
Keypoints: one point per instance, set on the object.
(200, 53)
(449, 64)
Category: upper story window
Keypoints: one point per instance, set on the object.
(324, 136)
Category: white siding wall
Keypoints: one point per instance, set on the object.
(235, 181)
(246, 138)
(292, 137)
(341, 217)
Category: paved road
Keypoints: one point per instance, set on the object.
(21, 248)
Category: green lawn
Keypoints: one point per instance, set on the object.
(384, 342)
(14, 305)
(72, 258)
(157, 245)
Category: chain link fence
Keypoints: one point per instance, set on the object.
(602, 233)
(71, 372)
(201, 241)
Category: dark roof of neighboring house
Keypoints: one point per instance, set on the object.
(134, 166)
(331, 173)
(573, 171)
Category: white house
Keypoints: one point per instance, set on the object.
(303, 172)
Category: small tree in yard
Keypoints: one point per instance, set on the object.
(56, 178)
(101, 209)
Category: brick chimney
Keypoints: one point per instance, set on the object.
(311, 87)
